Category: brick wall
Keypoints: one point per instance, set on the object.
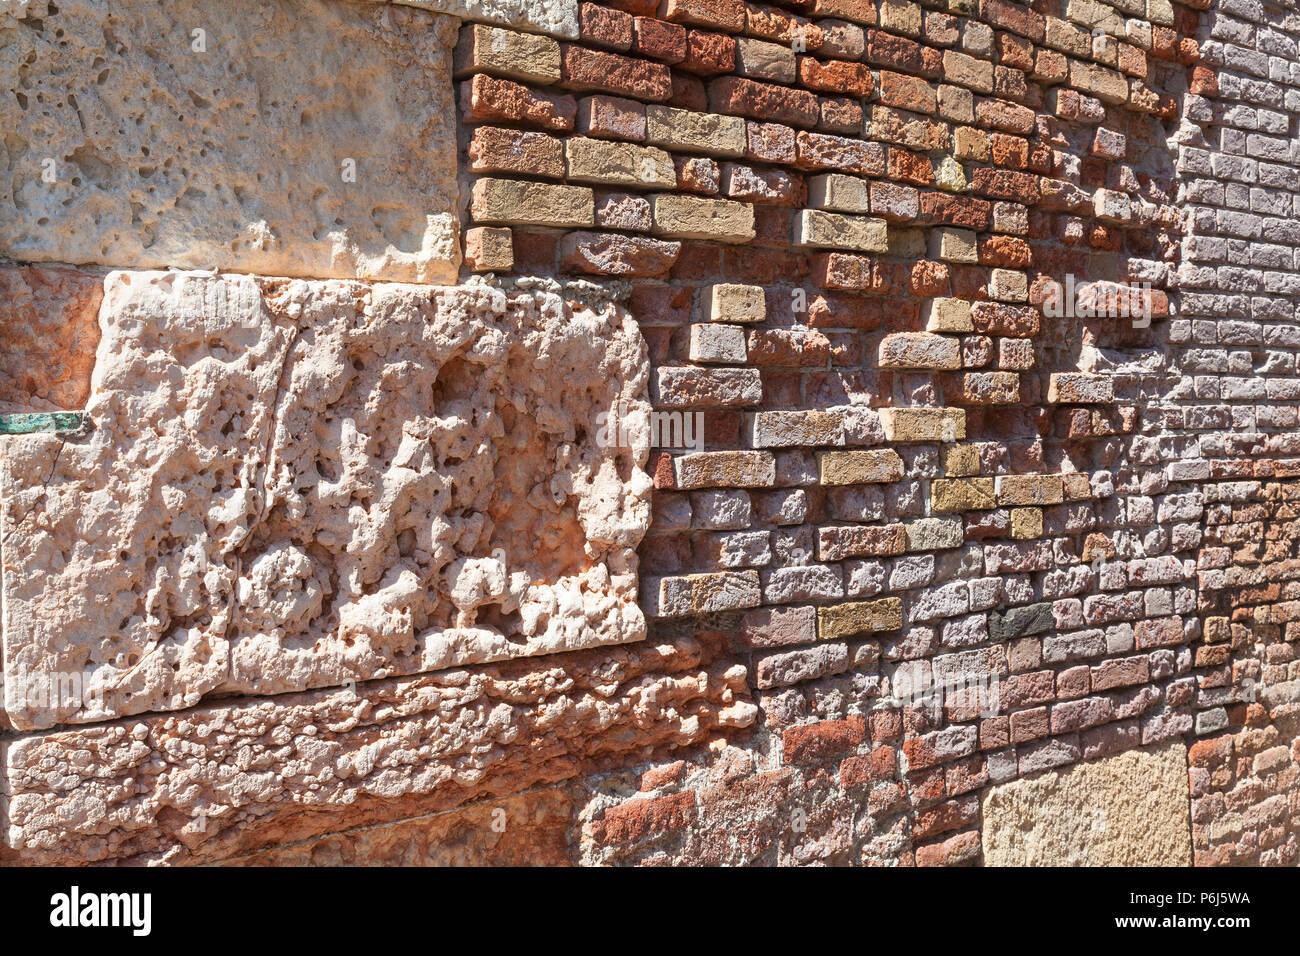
(918, 532)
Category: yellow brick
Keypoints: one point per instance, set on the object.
(960, 460)
(858, 617)
(1026, 523)
(961, 494)
(860, 467)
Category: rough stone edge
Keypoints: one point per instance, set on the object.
(557, 17)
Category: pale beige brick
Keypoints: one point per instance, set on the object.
(618, 164)
(541, 204)
(919, 350)
(872, 466)
(829, 230)
(923, 424)
(947, 315)
(731, 302)
(519, 56)
(840, 193)
(692, 217)
(688, 131)
(953, 245)
(717, 342)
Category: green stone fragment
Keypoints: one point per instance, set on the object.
(61, 423)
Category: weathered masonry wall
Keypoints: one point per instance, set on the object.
(650, 432)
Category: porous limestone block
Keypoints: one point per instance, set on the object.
(278, 140)
(1129, 809)
(299, 484)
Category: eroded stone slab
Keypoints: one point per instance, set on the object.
(296, 484)
(1129, 809)
(49, 328)
(238, 777)
(281, 138)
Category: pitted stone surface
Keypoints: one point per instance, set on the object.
(1129, 809)
(236, 156)
(237, 777)
(298, 484)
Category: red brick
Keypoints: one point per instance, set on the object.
(967, 212)
(1012, 84)
(638, 8)
(1005, 252)
(898, 53)
(1210, 752)
(907, 92)
(1028, 725)
(612, 254)
(1015, 51)
(816, 151)
(602, 26)
(659, 40)
(657, 777)
(946, 817)
(829, 310)
(1014, 17)
(486, 99)
(763, 101)
(495, 150)
(846, 272)
(689, 93)
(835, 76)
(995, 733)
(611, 117)
(908, 167)
(959, 850)
(1004, 116)
(816, 743)
(723, 14)
(788, 347)
(879, 765)
(1010, 152)
(997, 318)
(1006, 184)
(596, 70)
(928, 279)
(840, 114)
(1205, 82)
(770, 142)
(535, 251)
(1125, 672)
(637, 819)
(709, 53)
